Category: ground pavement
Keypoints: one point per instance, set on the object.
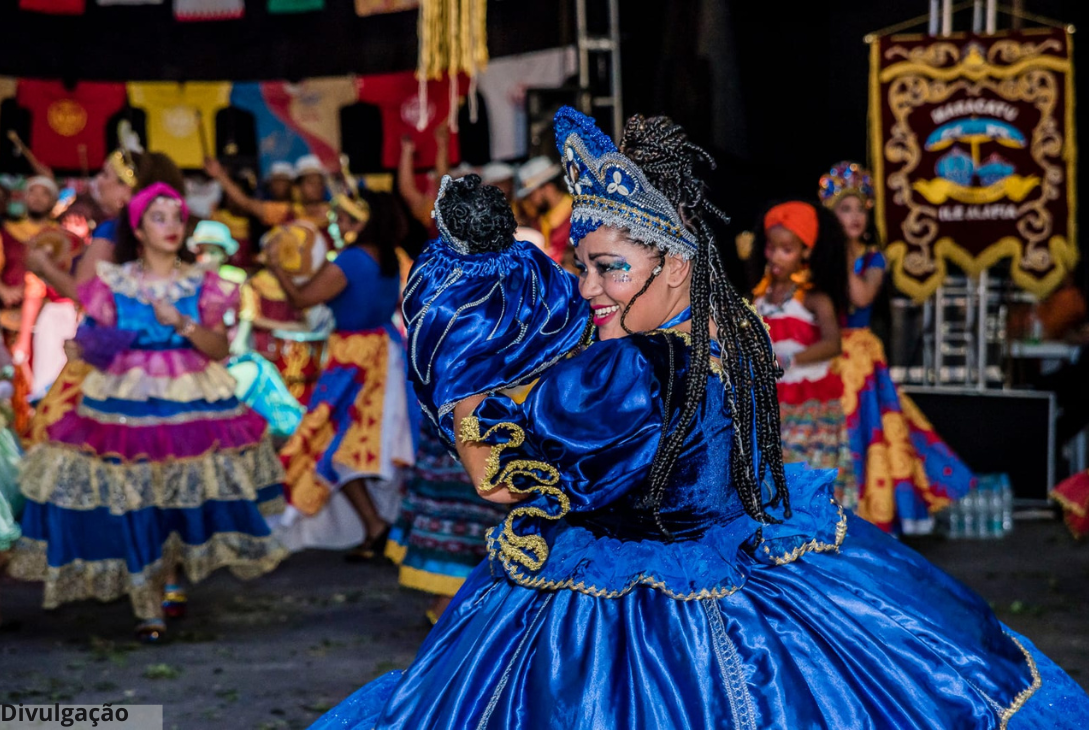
(275, 653)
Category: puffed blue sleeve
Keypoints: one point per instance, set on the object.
(585, 433)
(595, 419)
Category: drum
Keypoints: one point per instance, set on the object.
(62, 245)
(300, 248)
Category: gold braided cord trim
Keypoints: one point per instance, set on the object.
(530, 551)
(1024, 695)
(247, 556)
(642, 579)
(64, 476)
(814, 545)
(213, 383)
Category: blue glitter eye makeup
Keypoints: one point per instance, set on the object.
(619, 269)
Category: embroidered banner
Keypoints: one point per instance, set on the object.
(974, 156)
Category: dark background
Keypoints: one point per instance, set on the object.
(776, 88)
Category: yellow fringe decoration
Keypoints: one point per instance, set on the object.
(453, 40)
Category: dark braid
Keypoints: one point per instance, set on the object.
(662, 151)
(650, 280)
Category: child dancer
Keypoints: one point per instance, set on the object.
(155, 464)
(802, 297)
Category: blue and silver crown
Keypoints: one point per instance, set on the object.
(609, 189)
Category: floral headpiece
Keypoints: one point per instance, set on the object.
(846, 178)
(609, 189)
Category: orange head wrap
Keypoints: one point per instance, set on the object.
(797, 217)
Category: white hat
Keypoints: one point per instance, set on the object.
(535, 173)
(494, 172)
(213, 233)
(309, 165)
(46, 182)
(461, 171)
(281, 169)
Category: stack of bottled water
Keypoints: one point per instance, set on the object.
(985, 513)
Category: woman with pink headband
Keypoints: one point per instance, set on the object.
(154, 464)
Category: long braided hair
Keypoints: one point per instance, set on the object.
(662, 151)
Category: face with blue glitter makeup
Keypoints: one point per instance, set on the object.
(613, 269)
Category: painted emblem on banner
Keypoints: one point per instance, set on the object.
(180, 121)
(66, 117)
(974, 156)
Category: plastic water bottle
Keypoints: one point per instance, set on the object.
(956, 520)
(1035, 326)
(1007, 507)
(983, 511)
(997, 508)
(971, 513)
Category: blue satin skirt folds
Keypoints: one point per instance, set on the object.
(869, 636)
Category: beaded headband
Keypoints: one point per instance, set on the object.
(846, 178)
(119, 162)
(609, 189)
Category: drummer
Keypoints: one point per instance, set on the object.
(310, 195)
(291, 338)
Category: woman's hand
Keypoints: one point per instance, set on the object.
(166, 313)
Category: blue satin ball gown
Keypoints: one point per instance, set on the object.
(585, 616)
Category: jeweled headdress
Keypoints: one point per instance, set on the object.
(481, 318)
(846, 178)
(609, 189)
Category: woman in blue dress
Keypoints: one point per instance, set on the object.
(660, 568)
(344, 461)
(904, 469)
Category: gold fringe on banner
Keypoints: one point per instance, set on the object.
(453, 41)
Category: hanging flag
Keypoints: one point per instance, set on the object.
(974, 156)
(295, 6)
(396, 95)
(68, 126)
(53, 7)
(196, 10)
(297, 119)
(173, 111)
(377, 7)
(503, 85)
